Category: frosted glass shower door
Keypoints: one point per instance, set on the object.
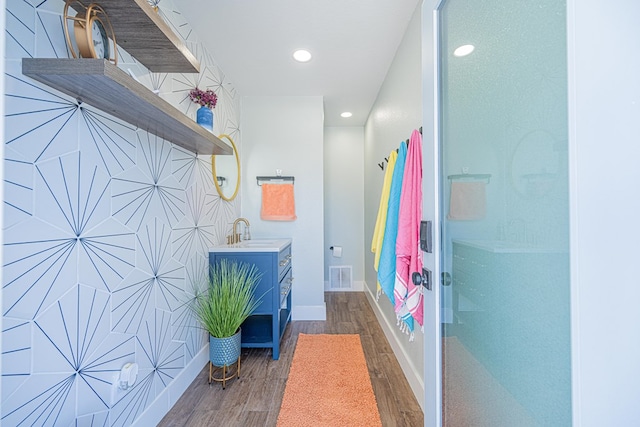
(505, 214)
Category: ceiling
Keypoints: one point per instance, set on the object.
(353, 43)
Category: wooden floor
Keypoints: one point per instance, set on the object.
(254, 399)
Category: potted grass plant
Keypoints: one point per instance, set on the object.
(229, 299)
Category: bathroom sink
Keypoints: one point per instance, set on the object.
(255, 245)
(259, 242)
(250, 244)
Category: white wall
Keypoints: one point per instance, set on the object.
(604, 117)
(344, 199)
(281, 132)
(395, 114)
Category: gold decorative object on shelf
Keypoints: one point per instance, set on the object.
(92, 31)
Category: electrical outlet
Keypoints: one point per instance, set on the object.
(116, 392)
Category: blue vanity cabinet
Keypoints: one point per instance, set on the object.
(266, 326)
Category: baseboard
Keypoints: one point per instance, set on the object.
(170, 395)
(391, 332)
(357, 286)
(309, 312)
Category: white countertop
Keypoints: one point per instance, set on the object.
(254, 245)
(502, 246)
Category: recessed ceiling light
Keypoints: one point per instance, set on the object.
(302, 55)
(464, 50)
(346, 114)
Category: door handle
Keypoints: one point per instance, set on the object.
(445, 279)
(423, 279)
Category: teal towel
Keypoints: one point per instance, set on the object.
(387, 264)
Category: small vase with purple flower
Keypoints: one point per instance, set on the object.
(207, 99)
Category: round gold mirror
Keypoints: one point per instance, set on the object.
(535, 164)
(226, 172)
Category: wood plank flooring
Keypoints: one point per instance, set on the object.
(254, 399)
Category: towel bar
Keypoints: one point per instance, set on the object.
(470, 176)
(260, 179)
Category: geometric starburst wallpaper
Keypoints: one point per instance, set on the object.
(106, 232)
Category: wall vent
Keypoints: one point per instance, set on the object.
(340, 278)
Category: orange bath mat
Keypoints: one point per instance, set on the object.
(329, 385)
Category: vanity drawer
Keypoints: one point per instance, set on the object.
(285, 287)
(284, 262)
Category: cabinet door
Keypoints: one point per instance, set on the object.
(265, 264)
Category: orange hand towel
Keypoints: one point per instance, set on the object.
(468, 201)
(278, 203)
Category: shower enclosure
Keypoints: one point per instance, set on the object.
(505, 213)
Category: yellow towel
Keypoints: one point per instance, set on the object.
(381, 221)
(278, 203)
(468, 201)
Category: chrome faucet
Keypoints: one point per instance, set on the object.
(235, 237)
(518, 229)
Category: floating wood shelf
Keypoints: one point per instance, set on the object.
(103, 85)
(143, 33)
